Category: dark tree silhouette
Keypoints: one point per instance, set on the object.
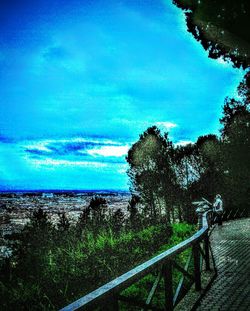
(118, 220)
(222, 27)
(132, 208)
(98, 206)
(63, 223)
(211, 179)
(39, 218)
(84, 218)
(198, 168)
(151, 171)
(236, 147)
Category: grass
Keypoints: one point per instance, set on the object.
(51, 267)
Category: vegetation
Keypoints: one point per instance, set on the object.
(222, 27)
(151, 171)
(51, 266)
(164, 175)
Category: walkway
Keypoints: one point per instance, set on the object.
(231, 288)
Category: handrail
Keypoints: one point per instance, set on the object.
(112, 288)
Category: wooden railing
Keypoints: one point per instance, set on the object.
(235, 214)
(109, 296)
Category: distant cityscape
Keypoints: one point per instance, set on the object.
(17, 206)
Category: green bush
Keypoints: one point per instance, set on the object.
(51, 267)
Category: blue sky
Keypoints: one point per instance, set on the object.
(80, 80)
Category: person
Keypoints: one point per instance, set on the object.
(218, 208)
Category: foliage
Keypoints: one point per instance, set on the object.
(63, 222)
(52, 266)
(97, 206)
(150, 171)
(164, 175)
(222, 27)
(236, 147)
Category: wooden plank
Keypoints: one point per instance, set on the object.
(183, 271)
(201, 251)
(167, 272)
(181, 282)
(236, 213)
(242, 213)
(154, 287)
(197, 271)
(133, 275)
(206, 249)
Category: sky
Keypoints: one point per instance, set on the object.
(80, 80)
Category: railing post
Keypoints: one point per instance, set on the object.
(200, 215)
(168, 285)
(197, 271)
(206, 248)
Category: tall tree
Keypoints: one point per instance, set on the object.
(236, 146)
(151, 171)
(198, 167)
(211, 179)
(222, 27)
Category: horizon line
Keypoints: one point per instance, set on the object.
(64, 190)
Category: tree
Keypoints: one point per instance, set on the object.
(236, 147)
(211, 179)
(39, 218)
(132, 208)
(118, 219)
(187, 165)
(198, 169)
(222, 27)
(84, 218)
(98, 206)
(63, 223)
(151, 172)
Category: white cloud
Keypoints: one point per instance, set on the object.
(183, 142)
(109, 151)
(166, 125)
(40, 145)
(52, 162)
(75, 151)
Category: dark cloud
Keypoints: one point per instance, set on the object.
(5, 139)
(37, 151)
(68, 148)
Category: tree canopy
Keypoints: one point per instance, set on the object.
(222, 27)
(151, 170)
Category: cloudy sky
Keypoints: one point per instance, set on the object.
(80, 80)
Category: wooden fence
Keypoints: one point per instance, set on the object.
(109, 296)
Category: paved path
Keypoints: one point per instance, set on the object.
(231, 288)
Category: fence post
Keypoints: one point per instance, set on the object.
(206, 248)
(197, 271)
(168, 285)
(200, 215)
